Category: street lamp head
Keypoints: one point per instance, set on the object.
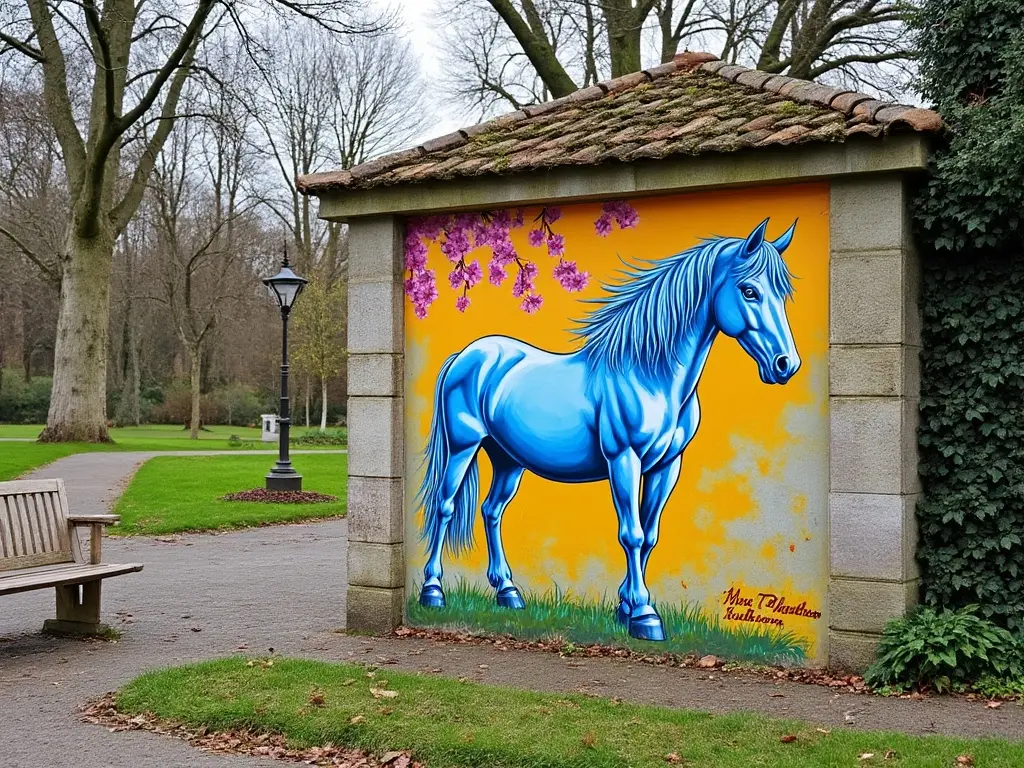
(285, 285)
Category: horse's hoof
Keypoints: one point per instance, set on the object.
(647, 628)
(509, 597)
(432, 596)
(622, 614)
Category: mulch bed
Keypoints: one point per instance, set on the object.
(280, 497)
(103, 711)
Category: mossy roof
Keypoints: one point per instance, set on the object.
(693, 105)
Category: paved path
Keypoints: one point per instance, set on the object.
(282, 587)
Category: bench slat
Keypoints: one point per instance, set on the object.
(27, 579)
(33, 525)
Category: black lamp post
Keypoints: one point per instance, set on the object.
(286, 287)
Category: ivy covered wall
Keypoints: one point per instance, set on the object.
(968, 217)
(971, 519)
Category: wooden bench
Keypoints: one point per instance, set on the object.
(40, 547)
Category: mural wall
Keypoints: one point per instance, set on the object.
(617, 424)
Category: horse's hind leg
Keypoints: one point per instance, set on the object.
(459, 462)
(504, 484)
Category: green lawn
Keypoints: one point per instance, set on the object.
(171, 494)
(553, 615)
(167, 437)
(451, 724)
(17, 458)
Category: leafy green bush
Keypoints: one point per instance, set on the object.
(24, 402)
(327, 437)
(944, 650)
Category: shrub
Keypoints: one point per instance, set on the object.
(24, 402)
(945, 650)
(327, 437)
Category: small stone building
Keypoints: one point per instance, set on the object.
(798, 516)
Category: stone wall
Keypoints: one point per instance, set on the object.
(874, 382)
(874, 343)
(376, 558)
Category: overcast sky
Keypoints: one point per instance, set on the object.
(417, 25)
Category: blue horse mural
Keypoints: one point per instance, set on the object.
(621, 408)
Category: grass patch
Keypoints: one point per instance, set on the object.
(17, 458)
(451, 724)
(558, 617)
(173, 494)
(170, 437)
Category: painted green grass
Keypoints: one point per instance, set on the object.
(451, 724)
(174, 494)
(558, 617)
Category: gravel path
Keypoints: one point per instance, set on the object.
(203, 596)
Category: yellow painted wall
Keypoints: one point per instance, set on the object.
(749, 511)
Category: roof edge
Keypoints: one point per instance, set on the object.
(878, 117)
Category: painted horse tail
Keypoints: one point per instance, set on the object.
(459, 536)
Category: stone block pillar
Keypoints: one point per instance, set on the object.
(376, 458)
(874, 377)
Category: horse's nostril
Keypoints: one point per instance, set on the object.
(782, 364)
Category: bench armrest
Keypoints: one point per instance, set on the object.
(94, 519)
(95, 523)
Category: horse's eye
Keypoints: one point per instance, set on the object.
(749, 293)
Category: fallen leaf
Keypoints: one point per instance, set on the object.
(965, 760)
(789, 738)
(890, 754)
(349, 681)
(825, 731)
(865, 755)
(708, 662)
(673, 758)
(383, 693)
(389, 757)
(357, 720)
(316, 699)
(589, 739)
(993, 704)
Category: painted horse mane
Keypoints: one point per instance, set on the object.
(652, 304)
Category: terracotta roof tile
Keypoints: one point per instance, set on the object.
(690, 105)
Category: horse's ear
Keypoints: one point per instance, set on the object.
(786, 238)
(756, 239)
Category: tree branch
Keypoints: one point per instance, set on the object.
(22, 46)
(47, 269)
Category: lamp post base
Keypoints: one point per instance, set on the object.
(284, 482)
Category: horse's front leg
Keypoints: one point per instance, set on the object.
(657, 487)
(624, 478)
(504, 484)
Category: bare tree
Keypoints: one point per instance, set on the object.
(327, 102)
(507, 46)
(139, 59)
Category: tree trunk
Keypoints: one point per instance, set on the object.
(323, 404)
(136, 410)
(309, 397)
(78, 403)
(624, 31)
(196, 353)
